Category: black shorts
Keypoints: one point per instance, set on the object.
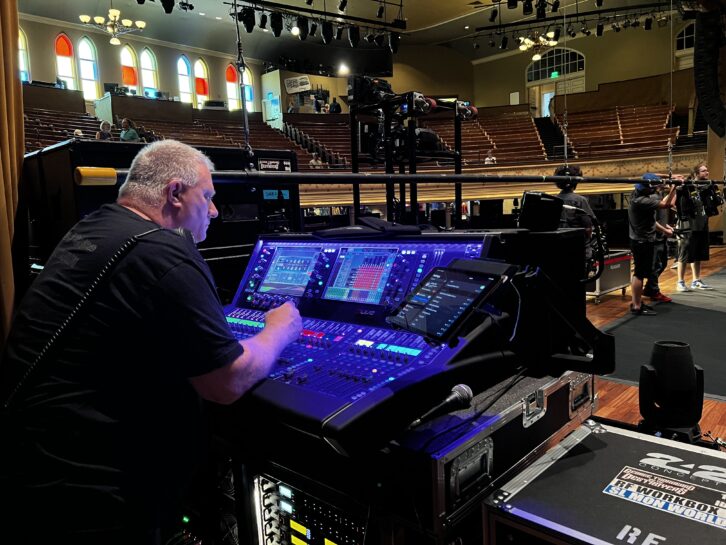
(693, 247)
(643, 251)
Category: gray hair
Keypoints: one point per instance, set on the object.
(104, 123)
(156, 165)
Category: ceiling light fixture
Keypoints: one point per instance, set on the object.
(342, 5)
(276, 23)
(353, 36)
(393, 40)
(381, 10)
(493, 15)
(247, 18)
(115, 26)
(326, 31)
(168, 6)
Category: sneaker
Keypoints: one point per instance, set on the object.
(700, 285)
(661, 297)
(681, 286)
(644, 310)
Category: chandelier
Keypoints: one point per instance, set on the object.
(115, 26)
(538, 42)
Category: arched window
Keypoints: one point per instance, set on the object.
(184, 72)
(555, 63)
(230, 75)
(249, 91)
(88, 68)
(201, 82)
(23, 56)
(129, 73)
(64, 61)
(685, 41)
(686, 38)
(149, 79)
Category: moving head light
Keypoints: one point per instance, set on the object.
(466, 110)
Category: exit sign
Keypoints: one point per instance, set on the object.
(554, 75)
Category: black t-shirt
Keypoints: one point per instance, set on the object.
(573, 218)
(107, 428)
(641, 216)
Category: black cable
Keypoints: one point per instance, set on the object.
(495, 396)
(241, 67)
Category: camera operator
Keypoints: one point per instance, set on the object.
(644, 202)
(570, 218)
(692, 227)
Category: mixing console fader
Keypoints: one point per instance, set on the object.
(347, 358)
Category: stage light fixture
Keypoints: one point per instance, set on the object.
(380, 39)
(504, 42)
(368, 38)
(342, 5)
(393, 40)
(353, 36)
(313, 28)
(309, 2)
(511, 4)
(598, 3)
(302, 24)
(585, 30)
(326, 31)
(493, 15)
(648, 23)
(615, 26)
(556, 34)
(475, 44)
(527, 7)
(380, 11)
(339, 33)
(541, 11)
(263, 22)
(168, 5)
(670, 392)
(247, 18)
(571, 32)
(599, 29)
(276, 23)
(635, 23)
(140, 2)
(492, 43)
(555, 6)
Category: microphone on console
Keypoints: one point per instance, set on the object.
(459, 398)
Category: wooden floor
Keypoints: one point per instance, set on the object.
(620, 401)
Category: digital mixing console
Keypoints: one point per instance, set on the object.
(348, 359)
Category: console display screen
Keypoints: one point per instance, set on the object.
(290, 270)
(360, 275)
(439, 304)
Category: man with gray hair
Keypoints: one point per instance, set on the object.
(109, 354)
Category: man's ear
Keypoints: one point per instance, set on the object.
(173, 190)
